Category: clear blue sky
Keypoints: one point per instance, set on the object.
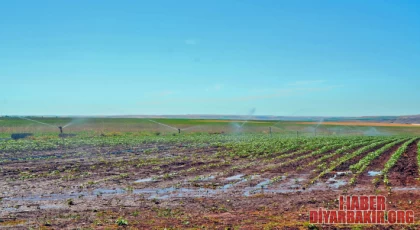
(331, 58)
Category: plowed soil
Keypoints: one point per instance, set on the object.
(96, 188)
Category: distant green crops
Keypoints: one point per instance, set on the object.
(10, 125)
(241, 145)
(257, 152)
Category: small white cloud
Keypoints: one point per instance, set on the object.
(191, 42)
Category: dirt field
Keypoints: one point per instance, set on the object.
(176, 186)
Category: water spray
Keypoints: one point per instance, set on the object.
(175, 128)
(318, 124)
(191, 127)
(16, 136)
(24, 118)
(163, 124)
(238, 127)
(251, 112)
(61, 134)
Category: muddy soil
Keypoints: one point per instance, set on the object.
(94, 189)
(405, 172)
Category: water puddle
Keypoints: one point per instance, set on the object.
(374, 173)
(236, 177)
(172, 192)
(345, 173)
(144, 180)
(9, 209)
(207, 178)
(49, 197)
(334, 183)
(262, 183)
(405, 189)
(261, 187)
(102, 191)
(232, 184)
(257, 188)
(337, 184)
(287, 184)
(203, 178)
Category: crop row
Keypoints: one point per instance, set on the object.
(394, 158)
(320, 151)
(321, 161)
(361, 166)
(347, 157)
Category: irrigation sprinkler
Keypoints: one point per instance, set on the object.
(16, 136)
(171, 127)
(271, 135)
(65, 135)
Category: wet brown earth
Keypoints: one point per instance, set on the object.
(406, 171)
(376, 165)
(177, 187)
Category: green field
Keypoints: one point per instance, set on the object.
(10, 125)
(147, 175)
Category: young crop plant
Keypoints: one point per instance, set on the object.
(394, 158)
(310, 144)
(347, 157)
(310, 147)
(360, 166)
(339, 151)
(323, 150)
(121, 222)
